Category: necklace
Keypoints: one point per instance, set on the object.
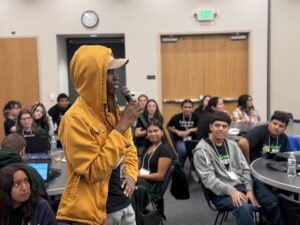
(219, 157)
(186, 123)
(149, 157)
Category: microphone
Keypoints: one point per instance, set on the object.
(127, 95)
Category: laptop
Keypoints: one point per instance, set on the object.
(36, 144)
(42, 167)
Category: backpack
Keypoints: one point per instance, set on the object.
(179, 186)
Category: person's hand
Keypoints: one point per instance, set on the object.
(253, 200)
(128, 185)
(182, 133)
(129, 115)
(237, 198)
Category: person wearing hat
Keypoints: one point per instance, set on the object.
(97, 140)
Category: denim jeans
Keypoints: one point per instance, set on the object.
(268, 201)
(181, 150)
(243, 214)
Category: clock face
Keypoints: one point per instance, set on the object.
(89, 19)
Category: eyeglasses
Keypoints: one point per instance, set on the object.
(26, 118)
(18, 183)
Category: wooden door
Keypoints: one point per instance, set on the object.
(203, 64)
(19, 78)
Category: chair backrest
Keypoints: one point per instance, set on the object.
(289, 210)
(167, 179)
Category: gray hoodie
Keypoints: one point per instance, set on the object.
(214, 174)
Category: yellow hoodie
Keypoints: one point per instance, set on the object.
(91, 144)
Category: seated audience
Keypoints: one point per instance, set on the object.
(266, 138)
(183, 127)
(245, 111)
(225, 172)
(19, 203)
(59, 109)
(41, 118)
(151, 112)
(143, 99)
(215, 104)
(155, 161)
(202, 105)
(11, 111)
(26, 127)
(12, 150)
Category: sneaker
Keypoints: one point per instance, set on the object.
(195, 175)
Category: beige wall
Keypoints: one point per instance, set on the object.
(141, 21)
(285, 56)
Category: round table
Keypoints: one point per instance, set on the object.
(274, 178)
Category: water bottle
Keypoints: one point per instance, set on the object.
(292, 163)
(53, 144)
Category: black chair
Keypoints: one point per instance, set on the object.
(164, 187)
(223, 212)
(289, 210)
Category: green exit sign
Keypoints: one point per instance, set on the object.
(205, 15)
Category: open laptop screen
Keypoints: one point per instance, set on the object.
(42, 168)
(36, 144)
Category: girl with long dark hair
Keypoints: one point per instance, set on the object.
(155, 161)
(245, 111)
(19, 203)
(41, 118)
(151, 112)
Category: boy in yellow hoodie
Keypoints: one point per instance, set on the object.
(97, 141)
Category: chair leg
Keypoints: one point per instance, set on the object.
(223, 217)
(226, 215)
(216, 220)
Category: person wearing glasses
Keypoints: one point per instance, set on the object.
(20, 204)
(97, 140)
(26, 127)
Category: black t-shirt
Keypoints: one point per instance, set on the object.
(183, 123)
(150, 161)
(260, 142)
(8, 124)
(57, 113)
(222, 151)
(116, 199)
(139, 141)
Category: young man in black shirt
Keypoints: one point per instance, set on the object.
(266, 139)
(58, 110)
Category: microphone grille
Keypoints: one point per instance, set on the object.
(125, 91)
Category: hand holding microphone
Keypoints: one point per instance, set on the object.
(130, 114)
(126, 93)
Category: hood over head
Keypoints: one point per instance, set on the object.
(88, 68)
